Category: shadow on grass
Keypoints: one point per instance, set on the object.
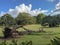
(47, 33)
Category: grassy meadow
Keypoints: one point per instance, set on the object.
(40, 38)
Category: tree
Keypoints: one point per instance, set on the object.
(52, 21)
(39, 18)
(33, 20)
(58, 17)
(7, 19)
(24, 18)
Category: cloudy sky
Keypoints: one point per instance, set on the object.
(32, 7)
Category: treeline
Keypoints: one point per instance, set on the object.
(25, 18)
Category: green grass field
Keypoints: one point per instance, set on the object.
(41, 38)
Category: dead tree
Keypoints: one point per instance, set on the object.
(8, 32)
(15, 33)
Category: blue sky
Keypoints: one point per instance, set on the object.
(49, 5)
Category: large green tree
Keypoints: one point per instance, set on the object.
(7, 19)
(39, 18)
(24, 18)
(51, 21)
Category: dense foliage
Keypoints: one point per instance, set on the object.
(6, 19)
(25, 18)
(51, 21)
(39, 18)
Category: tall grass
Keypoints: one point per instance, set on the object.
(14, 42)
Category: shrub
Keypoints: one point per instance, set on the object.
(55, 41)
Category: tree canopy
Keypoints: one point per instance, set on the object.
(7, 19)
(51, 21)
(39, 18)
(25, 18)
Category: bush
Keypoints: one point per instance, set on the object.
(55, 41)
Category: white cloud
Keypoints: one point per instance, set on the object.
(51, 0)
(37, 11)
(26, 9)
(56, 10)
(2, 13)
(58, 5)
